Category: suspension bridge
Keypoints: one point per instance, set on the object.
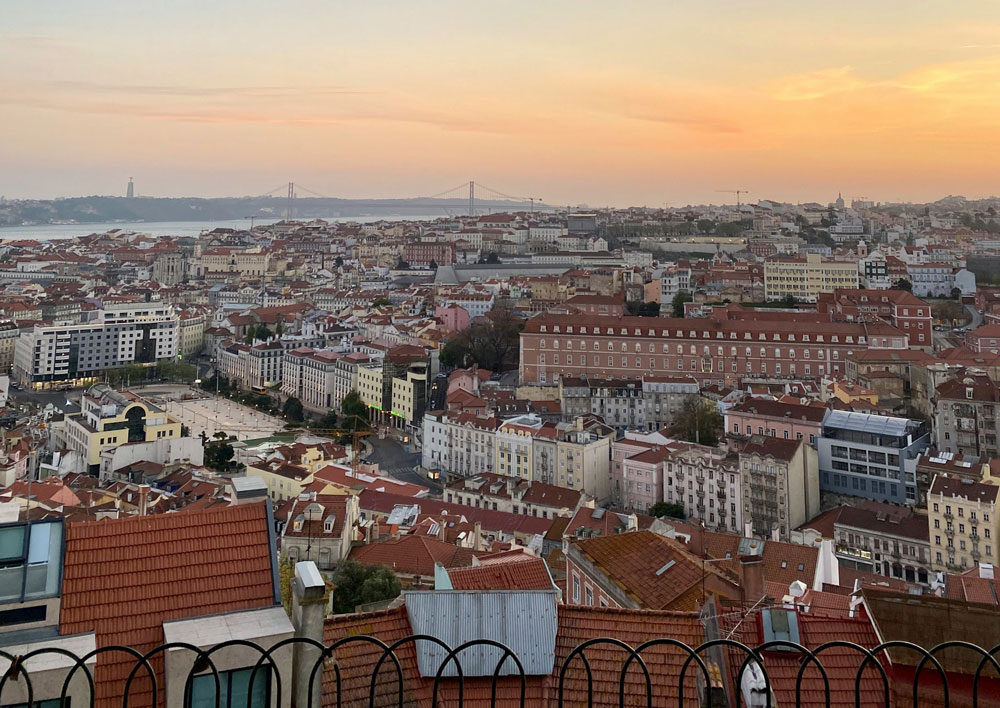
(469, 198)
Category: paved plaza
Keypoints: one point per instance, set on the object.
(212, 415)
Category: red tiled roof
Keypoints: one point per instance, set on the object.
(383, 503)
(575, 626)
(123, 578)
(525, 574)
(413, 555)
(656, 571)
(840, 663)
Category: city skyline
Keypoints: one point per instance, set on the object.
(574, 103)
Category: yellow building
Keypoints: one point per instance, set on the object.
(963, 523)
(109, 418)
(409, 396)
(370, 384)
(805, 278)
(853, 393)
(191, 332)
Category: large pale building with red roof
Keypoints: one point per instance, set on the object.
(721, 349)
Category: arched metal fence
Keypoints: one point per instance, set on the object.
(387, 681)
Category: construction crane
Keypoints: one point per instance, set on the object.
(737, 192)
(355, 435)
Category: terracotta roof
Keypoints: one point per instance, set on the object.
(840, 663)
(776, 409)
(413, 555)
(655, 570)
(123, 578)
(575, 626)
(383, 503)
(765, 445)
(522, 574)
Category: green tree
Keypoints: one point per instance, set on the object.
(354, 412)
(381, 302)
(956, 293)
(903, 284)
(789, 301)
(339, 262)
(279, 329)
(697, 421)
(330, 420)
(454, 353)
(730, 228)
(677, 303)
(674, 511)
(706, 226)
(219, 454)
(356, 584)
(293, 411)
(433, 265)
(643, 309)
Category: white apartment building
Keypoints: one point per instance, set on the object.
(120, 334)
(805, 278)
(707, 483)
(458, 444)
(546, 233)
(310, 375)
(673, 281)
(574, 455)
(346, 376)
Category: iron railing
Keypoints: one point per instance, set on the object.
(699, 681)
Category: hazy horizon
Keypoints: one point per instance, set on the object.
(642, 103)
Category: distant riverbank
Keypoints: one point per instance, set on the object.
(46, 232)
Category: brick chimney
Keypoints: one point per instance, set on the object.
(752, 577)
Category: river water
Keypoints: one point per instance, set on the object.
(44, 232)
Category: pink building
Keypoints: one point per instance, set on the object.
(788, 421)
(642, 477)
(453, 318)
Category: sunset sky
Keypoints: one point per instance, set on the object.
(573, 101)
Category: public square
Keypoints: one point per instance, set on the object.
(213, 414)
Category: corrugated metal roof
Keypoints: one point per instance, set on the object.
(867, 423)
(456, 617)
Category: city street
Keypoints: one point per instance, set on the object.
(394, 461)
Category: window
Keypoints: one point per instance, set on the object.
(576, 588)
(589, 595)
(234, 689)
(30, 560)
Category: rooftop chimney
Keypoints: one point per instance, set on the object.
(986, 571)
(752, 577)
(143, 499)
(308, 588)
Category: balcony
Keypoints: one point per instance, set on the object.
(949, 532)
(949, 516)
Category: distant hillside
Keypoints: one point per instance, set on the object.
(92, 210)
